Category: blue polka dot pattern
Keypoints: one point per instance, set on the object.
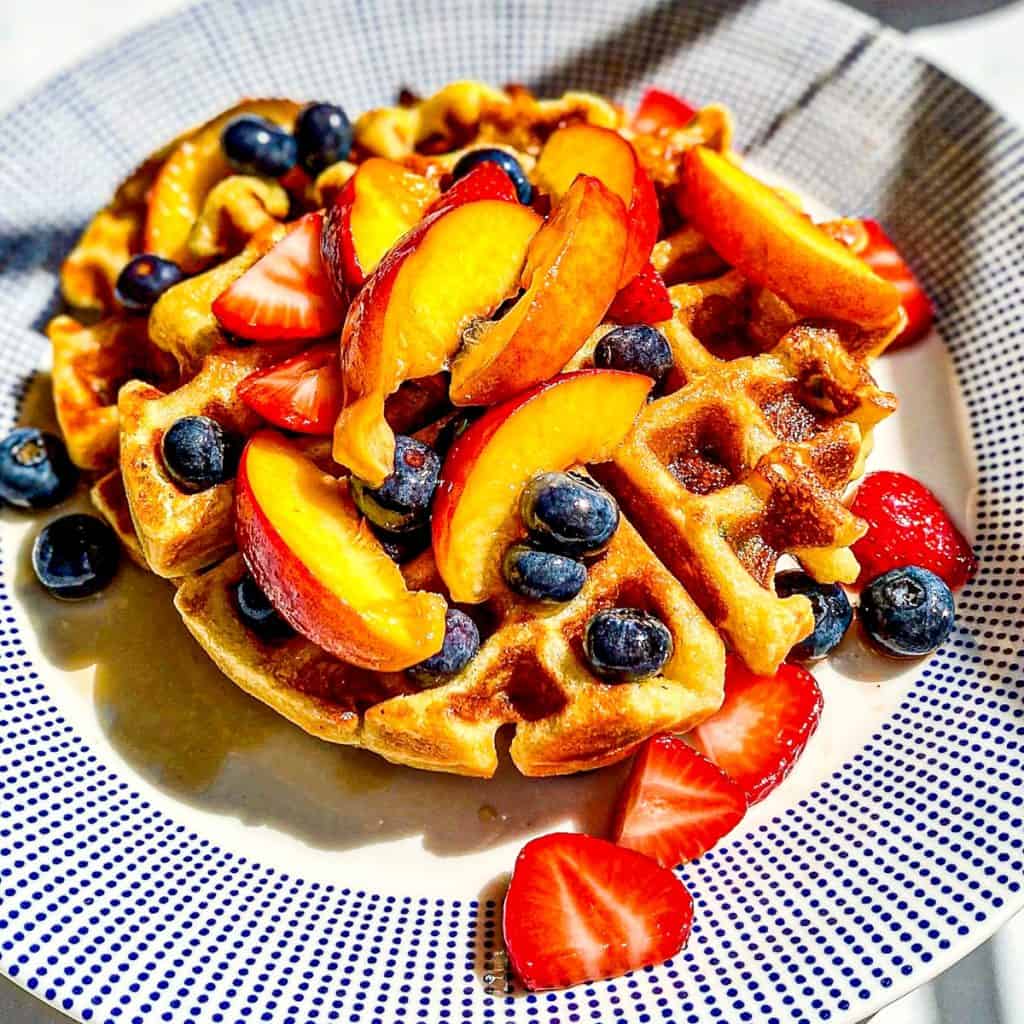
(912, 852)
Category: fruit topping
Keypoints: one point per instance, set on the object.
(402, 547)
(506, 161)
(258, 613)
(309, 549)
(286, 294)
(323, 136)
(543, 575)
(198, 454)
(831, 608)
(645, 300)
(35, 469)
(573, 419)
(751, 227)
(254, 145)
(402, 503)
(582, 909)
(144, 279)
(907, 612)
(461, 643)
(762, 727)
(907, 525)
(675, 804)
(661, 111)
(636, 348)
(485, 181)
(626, 644)
(568, 513)
(75, 556)
(303, 393)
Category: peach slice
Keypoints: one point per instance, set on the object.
(322, 568)
(378, 205)
(570, 278)
(574, 418)
(607, 156)
(195, 165)
(775, 246)
(408, 319)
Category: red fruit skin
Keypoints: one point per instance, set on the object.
(907, 525)
(602, 881)
(661, 110)
(336, 248)
(485, 181)
(676, 804)
(884, 258)
(645, 300)
(277, 392)
(763, 726)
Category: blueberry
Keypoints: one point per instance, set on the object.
(907, 612)
(402, 547)
(254, 145)
(543, 575)
(625, 644)
(75, 556)
(461, 643)
(35, 470)
(144, 279)
(198, 454)
(568, 513)
(637, 348)
(324, 136)
(402, 503)
(832, 613)
(506, 161)
(258, 613)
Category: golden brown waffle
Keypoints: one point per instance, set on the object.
(109, 498)
(530, 673)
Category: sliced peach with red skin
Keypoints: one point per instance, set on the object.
(573, 418)
(379, 203)
(570, 279)
(607, 156)
(322, 568)
(408, 319)
(751, 227)
(193, 167)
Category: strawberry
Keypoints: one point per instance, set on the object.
(644, 300)
(303, 393)
(485, 181)
(582, 909)
(907, 525)
(762, 727)
(286, 294)
(676, 804)
(884, 259)
(661, 110)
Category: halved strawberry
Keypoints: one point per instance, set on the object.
(485, 181)
(907, 525)
(885, 260)
(762, 727)
(303, 393)
(676, 804)
(582, 909)
(644, 300)
(285, 295)
(660, 109)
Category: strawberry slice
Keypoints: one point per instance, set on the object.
(762, 727)
(661, 110)
(907, 525)
(885, 260)
(676, 804)
(485, 181)
(582, 909)
(644, 300)
(286, 294)
(303, 393)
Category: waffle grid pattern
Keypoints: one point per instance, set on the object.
(912, 851)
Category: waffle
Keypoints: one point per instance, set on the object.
(529, 674)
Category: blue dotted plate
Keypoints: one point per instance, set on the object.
(170, 851)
